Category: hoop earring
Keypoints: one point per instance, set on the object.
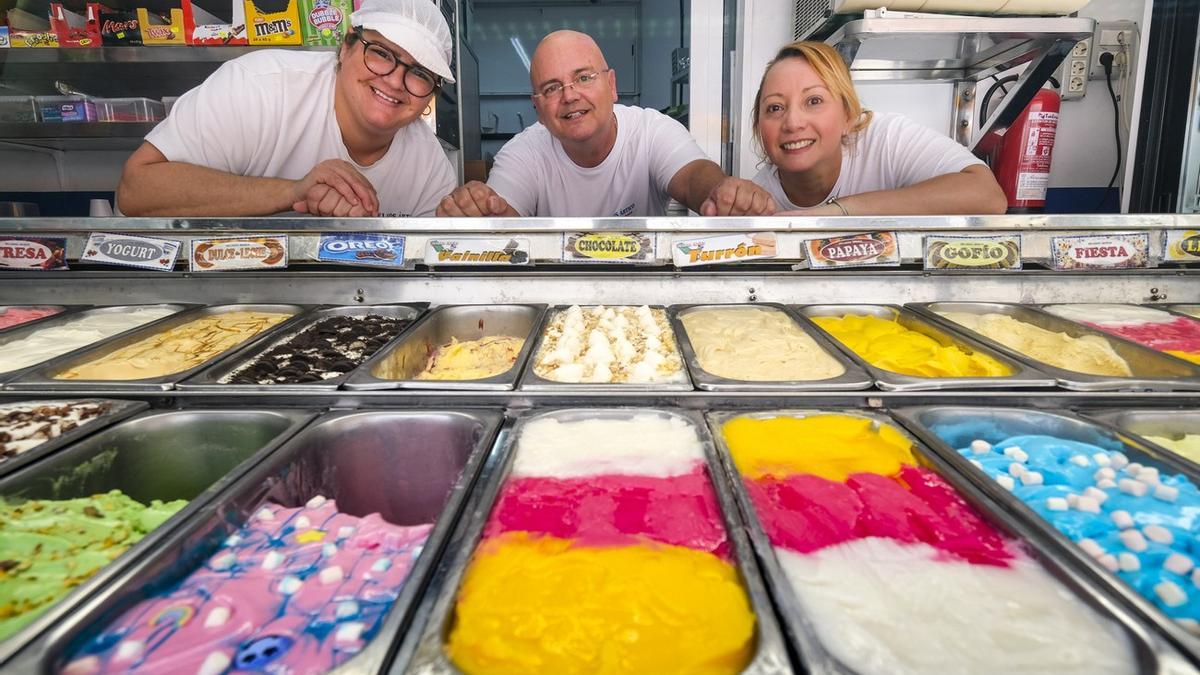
(428, 109)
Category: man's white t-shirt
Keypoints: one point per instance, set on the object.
(537, 178)
(892, 152)
(270, 114)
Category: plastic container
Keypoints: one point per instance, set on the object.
(17, 109)
(129, 110)
(65, 109)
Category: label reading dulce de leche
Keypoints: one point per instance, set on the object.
(33, 253)
(1100, 252)
(239, 253)
(477, 251)
(945, 252)
(609, 247)
(1182, 246)
(723, 248)
(870, 249)
(128, 250)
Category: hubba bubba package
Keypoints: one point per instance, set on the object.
(272, 22)
(324, 22)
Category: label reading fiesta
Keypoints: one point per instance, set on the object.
(239, 253)
(1001, 252)
(1182, 246)
(131, 251)
(33, 253)
(477, 251)
(723, 248)
(1110, 251)
(379, 250)
(611, 247)
(856, 250)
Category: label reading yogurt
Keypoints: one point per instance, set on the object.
(239, 253)
(1100, 252)
(131, 251)
(723, 248)
(477, 251)
(1000, 252)
(376, 250)
(609, 247)
(33, 253)
(870, 249)
(1182, 246)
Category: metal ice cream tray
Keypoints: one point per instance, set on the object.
(1022, 375)
(62, 309)
(1151, 369)
(1151, 422)
(852, 377)
(422, 650)
(192, 455)
(531, 381)
(1152, 656)
(117, 411)
(43, 377)
(410, 354)
(1009, 422)
(210, 378)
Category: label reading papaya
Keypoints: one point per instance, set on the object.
(1000, 252)
(870, 249)
(609, 247)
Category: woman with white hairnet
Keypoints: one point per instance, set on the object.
(316, 132)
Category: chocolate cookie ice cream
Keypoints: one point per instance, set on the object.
(327, 349)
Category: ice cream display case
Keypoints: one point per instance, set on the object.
(472, 399)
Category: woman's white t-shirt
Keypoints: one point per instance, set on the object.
(270, 114)
(892, 152)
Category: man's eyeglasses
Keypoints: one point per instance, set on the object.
(383, 62)
(581, 81)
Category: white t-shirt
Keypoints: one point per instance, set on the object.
(270, 114)
(892, 152)
(537, 178)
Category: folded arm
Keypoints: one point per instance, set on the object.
(972, 191)
(704, 188)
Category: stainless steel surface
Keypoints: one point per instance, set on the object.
(408, 356)
(852, 377)
(210, 378)
(22, 332)
(531, 381)
(1023, 375)
(1187, 310)
(169, 455)
(800, 627)
(1146, 422)
(62, 309)
(42, 378)
(422, 653)
(1151, 369)
(118, 411)
(1006, 422)
(410, 467)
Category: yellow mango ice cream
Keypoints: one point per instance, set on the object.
(888, 345)
(178, 349)
(756, 344)
(1089, 354)
(546, 605)
(1187, 445)
(830, 446)
(472, 360)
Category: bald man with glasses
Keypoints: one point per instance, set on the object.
(330, 134)
(589, 157)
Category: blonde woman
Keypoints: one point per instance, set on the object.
(828, 156)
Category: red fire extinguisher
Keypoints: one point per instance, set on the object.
(1021, 158)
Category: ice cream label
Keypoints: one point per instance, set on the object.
(609, 247)
(130, 251)
(4, 41)
(378, 250)
(33, 253)
(1001, 252)
(723, 248)
(239, 253)
(1182, 246)
(477, 251)
(869, 249)
(1106, 252)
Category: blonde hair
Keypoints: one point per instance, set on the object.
(833, 72)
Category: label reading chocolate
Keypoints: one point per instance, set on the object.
(376, 250)
(477, 251)
(999, 252)
(723, 248)
(239, 253)
(870, 249)
(1182, 246)
(131, 251)
(609, 247)
(1100, 252)
(33, 253)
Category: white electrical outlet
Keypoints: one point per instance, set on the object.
(1116, 38)
(1073, 73)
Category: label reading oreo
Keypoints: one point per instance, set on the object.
(377, 250)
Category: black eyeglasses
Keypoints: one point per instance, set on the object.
(383, 62)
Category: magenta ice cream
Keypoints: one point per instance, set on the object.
(1154, 328)
(296, 590)
(15, 316)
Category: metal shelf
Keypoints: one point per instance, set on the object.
(78, 135)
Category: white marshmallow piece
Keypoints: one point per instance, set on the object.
(302, 523)
(1006, 482)
(1133, 487)
(224, 561)
(980, 446)
(214, 664)
(349, 632)
(1158, 534)
(345, 532)
(1166, 493)
(1148, 475)
(1016, 469)
(316, 502)
(1110, 562)
(1057, 504)
(1088, 505)
(1073, 500)
(1105, 473)
(1106, 484)
(1133, 468)
(1133, 540)
(216, 618)
(290, 584)
(1191, 625)
(1179, 564)
(263, 514)
(1091, 547)
(129, 650)
(1016, 453)
(272, 560)
(331, 575)
(1102, 459)
(381, 565)
(1129, 562)
(1119, 460)
(346, 609)
(329, 550)
(1096, 493)
(1122, 519)
(978, 464)
(1170, 593)
(89, 665)
(232, 541)
(1079, 460)
(1031, 478)
(1196, 577)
